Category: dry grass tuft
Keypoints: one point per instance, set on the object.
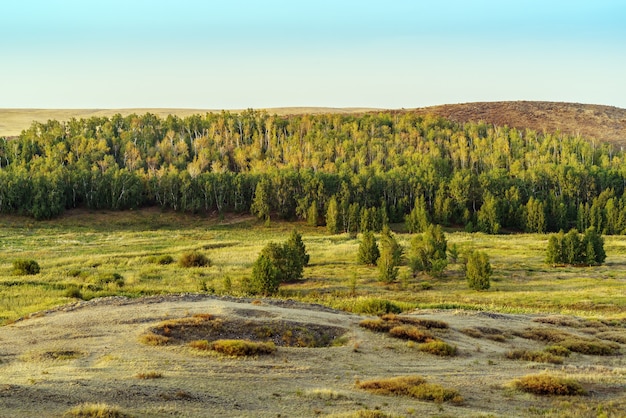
(149, 375)
(412, 386)
(240, 348)
(420, 322)
(194, 259)
(150, 338)
(536, 356)
(492, 334)
(95, 410)
(572, 342)
(378, 325)
(545, 384)
(409, 332)
(438, 348)
(326, 394)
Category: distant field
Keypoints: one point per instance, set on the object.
(13, 121)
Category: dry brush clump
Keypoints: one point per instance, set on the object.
(412, 329)
(411, 386)
(493, 334)
(546, 384)
(95, 410)
(536, 356)
(240, 348)
(149, 375)
(572, 342)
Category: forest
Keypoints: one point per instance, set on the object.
(356, 171)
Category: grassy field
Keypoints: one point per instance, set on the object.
(86, 255)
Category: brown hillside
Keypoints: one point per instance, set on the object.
(604, 123)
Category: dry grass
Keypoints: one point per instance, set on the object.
(241, 348)
(572, 342)
(438, 348)
(151, 338)
(411, 386)
(149, 375)
(95, 410)
(536, 356)
(492, 334)
(421, 322)
(409, 332)
(545, 384)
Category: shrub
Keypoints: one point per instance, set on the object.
(368, 249)
(151, 338)
(73, 292)
(25, 267)
(428, 251)
(114, 278)
(438, 348)
(377, 325)
(536, 356)
(194, 259)
(200, 345)
(409, 332)
(95, 410)
(149, 375)
(374, 306)
(558, 350)
(413, 386)
(436, 393)
(478, 271)
(545, 384)
(165, 259)
(239, 348)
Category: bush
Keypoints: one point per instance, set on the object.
(95, 410)
(165, 259)
(413, 386)
(242, 347)
(73, 292)
(25, 267)
(194, 259)
(438, 348)
(428, 251)
(478, 271)
(536, 356)
(368, 249)
(410, 332)
(558, 350)
(544, 384)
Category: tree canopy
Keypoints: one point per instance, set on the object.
(356, 171)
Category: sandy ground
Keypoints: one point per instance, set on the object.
(103, 338)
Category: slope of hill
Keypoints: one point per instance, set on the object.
(604, 123)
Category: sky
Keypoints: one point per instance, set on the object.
(238, 54)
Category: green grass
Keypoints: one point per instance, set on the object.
(80, 251)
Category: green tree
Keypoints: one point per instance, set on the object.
(332, 216)
(368, 249)
(488, 217)
(554, 250)
(390, 257)
(312, 215)
(417, 220)
(261, 203)
(265, 277)
(535, 216)
(428, 251)
(478, 271)
(296, 248)
(572, 251)
(594, 247)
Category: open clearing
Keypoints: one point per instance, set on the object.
(91, 352)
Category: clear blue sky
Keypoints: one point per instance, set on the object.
(233, 54)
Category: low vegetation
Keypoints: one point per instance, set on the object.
(546, 384)
(572, 342)
(192, 259)
(536, 356)
(411, 386)
(25, 267)
(95, 410)
(239, 348)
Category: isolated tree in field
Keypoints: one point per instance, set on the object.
(390, 257)
(265, 277)
(368, 249)
(478, 270)
(332, 216)
(296, 247)
(417, 220)
(429, 251)
(594, 247)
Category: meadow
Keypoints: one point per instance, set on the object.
(85, 255)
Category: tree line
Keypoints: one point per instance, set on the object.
(354, 172)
